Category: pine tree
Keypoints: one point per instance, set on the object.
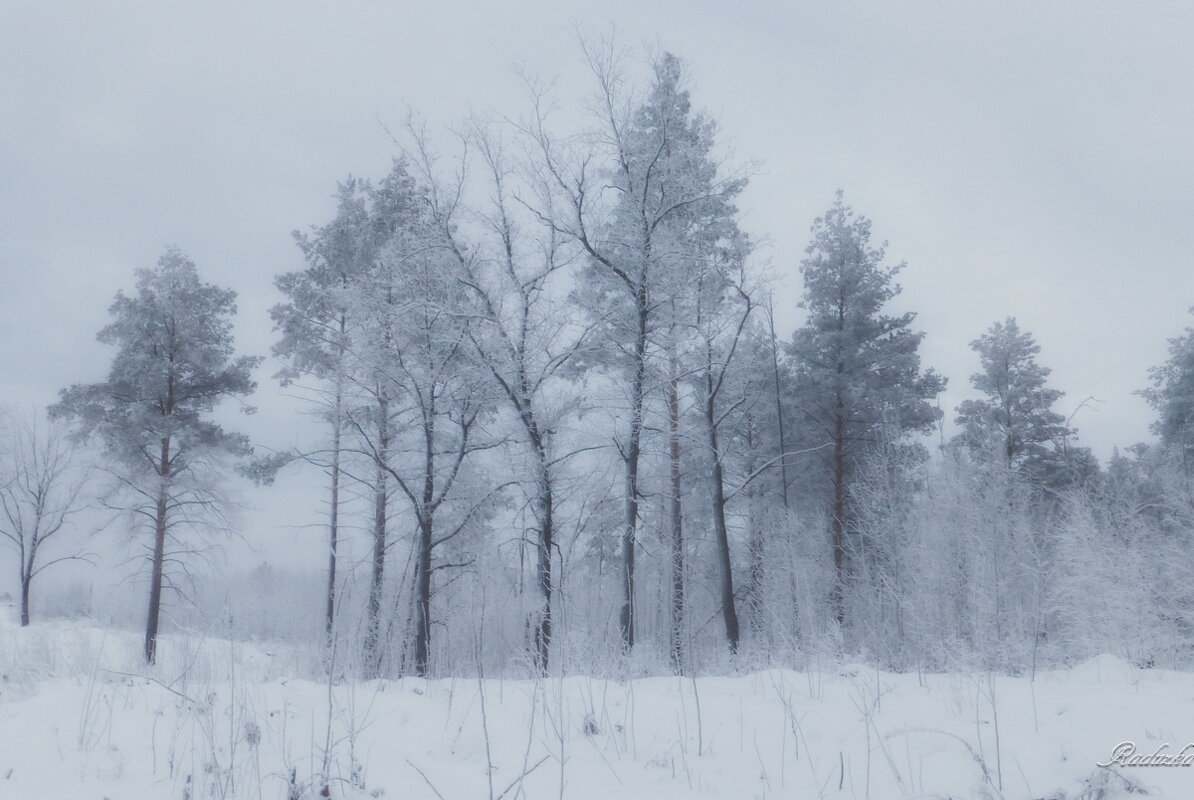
(313, 323)
(1172, 397)
(1015, 419)
(173, 364)
(1015, 422)
(857, 378)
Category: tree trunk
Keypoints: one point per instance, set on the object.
(754, 535)
(25, 581)
(677, 523)
(423, 600)
(376, 579)
(426, 542)
(783, 464)
(757, 566)
(728, 612)
(334, 515)
(334, 522)
(159, 555)
(633, 448)
(546, 536)
(779, 409)
(839, 520)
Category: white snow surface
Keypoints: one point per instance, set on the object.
(80, 718)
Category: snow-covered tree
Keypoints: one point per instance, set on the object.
(624, 202)
(1015, 421)
(313, 326)
(411, 357)
(42, 492)
(722, 307)
(152, 416)
(857, 380)
(523, 336)
(1172, 396)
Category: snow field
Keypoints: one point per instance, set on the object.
(79, 718)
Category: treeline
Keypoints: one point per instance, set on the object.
(548, 377)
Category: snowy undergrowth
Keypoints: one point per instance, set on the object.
(218, 719)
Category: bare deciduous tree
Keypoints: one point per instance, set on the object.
(42, 490)
(625, 200)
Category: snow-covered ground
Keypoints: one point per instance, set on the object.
(80, 718)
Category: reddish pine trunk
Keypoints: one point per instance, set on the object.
(159, 555)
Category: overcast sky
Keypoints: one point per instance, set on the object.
(1025, 159)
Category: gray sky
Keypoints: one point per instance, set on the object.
(1028, 159)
